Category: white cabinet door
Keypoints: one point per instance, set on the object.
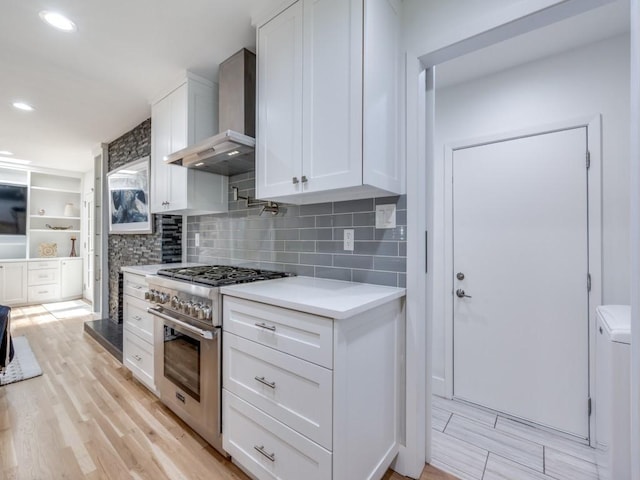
(332, 93)
(160, 146)
(71, 278)
(13, 283)
(279, 145)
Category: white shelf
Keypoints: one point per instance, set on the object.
(49, 230)
(12, 244)
(57, 190)
(54, 217)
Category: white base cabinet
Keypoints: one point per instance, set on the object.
(13, 283)
(306, 396)
(140, 333)
(54, 280)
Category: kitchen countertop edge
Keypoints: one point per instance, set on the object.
(335, 299)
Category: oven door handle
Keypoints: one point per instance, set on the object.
(206, 334)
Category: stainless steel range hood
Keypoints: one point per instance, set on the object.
(231, 151)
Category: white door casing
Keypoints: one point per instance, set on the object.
(88, 247)
(519, 282)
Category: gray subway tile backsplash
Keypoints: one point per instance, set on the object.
(305, 240)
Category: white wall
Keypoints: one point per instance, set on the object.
(583, 82)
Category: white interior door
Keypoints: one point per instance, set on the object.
(520, 239)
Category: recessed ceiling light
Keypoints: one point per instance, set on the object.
(6, 152)
(23, 106)
(58, 21)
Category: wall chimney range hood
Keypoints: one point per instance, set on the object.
(232, 150)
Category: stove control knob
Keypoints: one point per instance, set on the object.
(147, 295)
(205, 313)
(175, 301)
(196, 309)
(187, 307)
(164, 298)
(182, 305)
(153, 295)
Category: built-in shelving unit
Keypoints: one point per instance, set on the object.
(29, 274)
(51, 196)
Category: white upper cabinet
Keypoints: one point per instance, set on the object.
(185, 116)
(279, 97)
(328, 88)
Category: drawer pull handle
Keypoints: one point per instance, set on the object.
(266, 327)
(270, 456)
(137, 357)
(137, 287)
(137, 317)
(266, 382)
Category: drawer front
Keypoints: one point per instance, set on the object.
(138, 357)
(44, 264)
(286, 455)
(305, 336)
(136, 318)
(44, 276)
(43, 293)
(135, 285)
(294, 391)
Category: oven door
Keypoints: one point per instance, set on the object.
(190, 384)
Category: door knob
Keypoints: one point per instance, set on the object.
(460, 293)
(460, 276)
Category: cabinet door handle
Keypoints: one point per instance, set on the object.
(295, 180)
(137, 317)
(266, 327)
(270, 456)
(137, 357)
(304, 179)
(266, 382)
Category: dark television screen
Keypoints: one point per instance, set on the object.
(13, 209)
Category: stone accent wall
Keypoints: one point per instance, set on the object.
(306, 239)
(164, 245)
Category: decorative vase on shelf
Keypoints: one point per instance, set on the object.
(68, 210)
(73, 247)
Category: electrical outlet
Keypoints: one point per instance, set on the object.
(197, 238)
(348, 239)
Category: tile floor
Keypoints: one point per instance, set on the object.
(476, 444)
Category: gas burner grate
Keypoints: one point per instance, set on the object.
(219, 275)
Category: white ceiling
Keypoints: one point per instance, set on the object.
(595, 25)
(94, 85)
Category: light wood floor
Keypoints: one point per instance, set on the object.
(85, 417)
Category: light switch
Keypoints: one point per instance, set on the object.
(386, 216)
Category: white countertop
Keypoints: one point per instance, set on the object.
(329, 298)
(153, 269)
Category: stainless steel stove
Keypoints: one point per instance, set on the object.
(187, 302)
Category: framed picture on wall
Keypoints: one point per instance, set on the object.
(129, 198)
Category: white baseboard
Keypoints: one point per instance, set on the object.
(437, 386)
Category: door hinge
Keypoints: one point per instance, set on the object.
(589, 406)
(588, 282)
(588, 155)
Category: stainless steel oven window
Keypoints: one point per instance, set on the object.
(182, 361)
